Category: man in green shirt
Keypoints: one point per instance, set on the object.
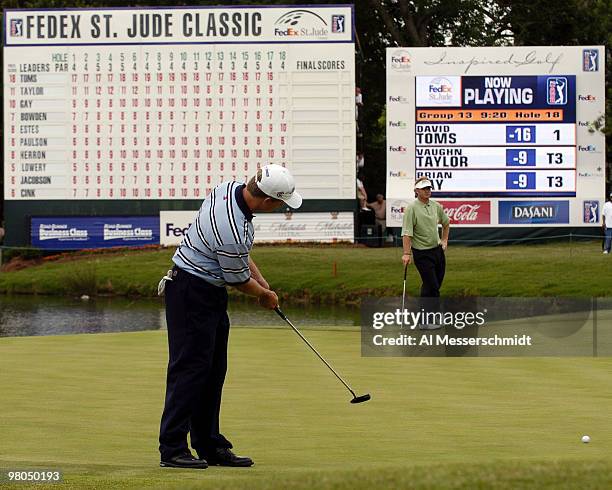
(421, 240)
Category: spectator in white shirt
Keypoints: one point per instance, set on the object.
(360, 161)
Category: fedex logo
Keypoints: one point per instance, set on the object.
(398, 98)
(172, 230)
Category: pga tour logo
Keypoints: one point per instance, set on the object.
(337, 23)
(591, 212)
(590, 60)
(16, 27)
(556, 91)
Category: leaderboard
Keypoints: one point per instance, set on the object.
(497, 135)
(168, 103)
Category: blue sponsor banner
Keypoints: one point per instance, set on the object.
(552, 92)
(533, 212)
(74, 233)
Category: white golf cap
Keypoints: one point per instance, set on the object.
(277, 182)
(422, 184)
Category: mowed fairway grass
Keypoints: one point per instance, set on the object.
(307, 273)
(90, 406)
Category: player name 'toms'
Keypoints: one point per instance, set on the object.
(142, 25)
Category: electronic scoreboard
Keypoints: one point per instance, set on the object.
(497, 135)
(508, 133)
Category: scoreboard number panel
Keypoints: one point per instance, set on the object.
(495, 134)
(154, 119)
(545, 157)
(510, 135)
(491, 181)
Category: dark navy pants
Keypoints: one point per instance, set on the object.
(431, 265)
(198, 330)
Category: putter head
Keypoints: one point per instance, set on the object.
(361, 399)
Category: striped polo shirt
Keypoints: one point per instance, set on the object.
(217, 244)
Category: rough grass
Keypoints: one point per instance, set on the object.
(307, 273)
(90, 406)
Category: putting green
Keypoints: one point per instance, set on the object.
(90, 405)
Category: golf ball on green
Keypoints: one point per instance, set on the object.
(586, 439)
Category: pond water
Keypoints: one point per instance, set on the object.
(46, 315)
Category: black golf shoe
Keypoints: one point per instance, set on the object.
(223, 456)
(186, 461)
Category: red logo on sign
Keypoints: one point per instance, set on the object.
(468, 212)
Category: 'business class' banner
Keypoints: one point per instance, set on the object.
(73, 233)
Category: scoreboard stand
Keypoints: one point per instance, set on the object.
(503, 134)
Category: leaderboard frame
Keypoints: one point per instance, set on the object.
(177, 129)
(490, 124)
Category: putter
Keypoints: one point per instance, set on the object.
(404, 292)
(356, 399)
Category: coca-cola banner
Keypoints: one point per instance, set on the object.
(468, 212)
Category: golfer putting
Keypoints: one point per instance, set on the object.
(421, 241)
(214, 254)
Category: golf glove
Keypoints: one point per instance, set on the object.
(161, 287)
